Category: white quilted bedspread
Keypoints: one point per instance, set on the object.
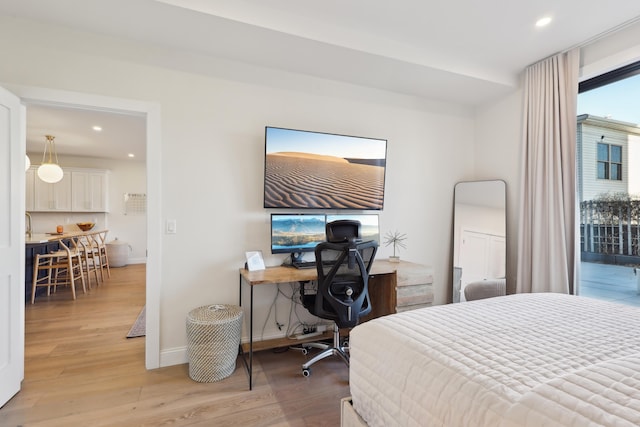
(518, 360)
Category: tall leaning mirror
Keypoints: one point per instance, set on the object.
(479, 238)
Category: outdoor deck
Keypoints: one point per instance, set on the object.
(616, 283)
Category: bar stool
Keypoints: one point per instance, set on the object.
(100, 239)
(63, 267)
(89, 256)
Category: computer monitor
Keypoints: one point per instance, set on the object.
(296, 233)
(369, 227)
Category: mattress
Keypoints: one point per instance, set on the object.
(516, 360)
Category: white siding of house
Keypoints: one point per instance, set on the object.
(589, 136)
(634, 162)
(579, 162)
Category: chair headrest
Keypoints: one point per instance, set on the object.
(343, 230)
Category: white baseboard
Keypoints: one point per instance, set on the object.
(178, 355)
(173, 356)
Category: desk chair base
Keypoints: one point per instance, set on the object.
(335, 350)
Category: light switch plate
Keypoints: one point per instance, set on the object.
(170, 226)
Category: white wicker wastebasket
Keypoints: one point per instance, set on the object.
(118, 253)
(213, 335)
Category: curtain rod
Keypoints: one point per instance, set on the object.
(593, 39)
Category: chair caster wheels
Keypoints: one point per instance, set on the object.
(306, 372)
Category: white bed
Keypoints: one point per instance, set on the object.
(525, 360)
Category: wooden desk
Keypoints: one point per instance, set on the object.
(393, 287)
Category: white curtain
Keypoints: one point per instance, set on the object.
(547, 228)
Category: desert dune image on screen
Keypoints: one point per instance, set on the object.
(323, 171)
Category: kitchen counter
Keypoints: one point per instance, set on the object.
(37, 238)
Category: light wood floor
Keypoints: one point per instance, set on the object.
(80, 370)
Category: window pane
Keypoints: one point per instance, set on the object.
(616, 172)
(616, 153)
(602, 170)
(603, 152)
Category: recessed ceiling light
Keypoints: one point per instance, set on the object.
(543, 22)
(131, 155)
(97, 128)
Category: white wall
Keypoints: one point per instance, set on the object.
(212, 151)
(498, 141)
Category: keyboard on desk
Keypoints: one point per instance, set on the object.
(304, 264)
(311, 264)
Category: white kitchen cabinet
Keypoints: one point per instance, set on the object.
(89, 191)
(52, 197)
(80, 190)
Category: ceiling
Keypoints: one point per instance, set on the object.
(120, 135)
(466, 52)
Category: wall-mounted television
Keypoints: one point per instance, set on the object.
(315, 170)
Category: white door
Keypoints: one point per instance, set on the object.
(12, 231)
(482, 257)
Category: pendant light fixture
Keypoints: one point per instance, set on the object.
(27, 162)
(49, 171)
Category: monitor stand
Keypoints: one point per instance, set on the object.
(296, 257)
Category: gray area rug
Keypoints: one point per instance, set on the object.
(138, 328)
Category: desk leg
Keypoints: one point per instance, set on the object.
(251, 341)
(249, 366)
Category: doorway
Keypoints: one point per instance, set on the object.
(151, 114)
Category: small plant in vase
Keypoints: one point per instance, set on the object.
(397, 240)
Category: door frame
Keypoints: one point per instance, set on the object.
(151, 112)
(12, 247)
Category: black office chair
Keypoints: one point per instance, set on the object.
(343, 291)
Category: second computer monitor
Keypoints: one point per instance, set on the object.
(369, 228)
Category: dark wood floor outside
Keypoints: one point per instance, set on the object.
(80, 370)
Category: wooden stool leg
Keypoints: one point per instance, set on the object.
(35, 278)
(70, 275)
(56, 277)
(106, 259)
(79, 266)
(102, 247)
(95, 252)
(42, 262)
